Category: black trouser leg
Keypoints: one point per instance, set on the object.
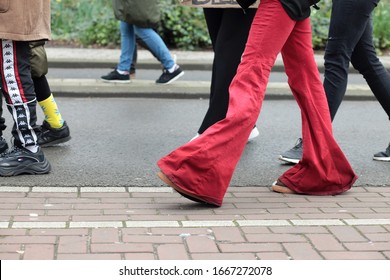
(349, 30)
(365, 60)
(19, 90)
(228, 29)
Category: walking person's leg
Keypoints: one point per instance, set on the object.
(348, 22)
(54, 130)
(229, 39)
(341, 43)
(127, 46)
(19, 92)
(156, 45)
(214, 19)
(202, 169)
(323, 170)
(47, 102)
(122, 72)
(18, 88)
(365, 60)
(354, 44)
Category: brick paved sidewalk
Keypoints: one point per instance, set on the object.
(158, 224)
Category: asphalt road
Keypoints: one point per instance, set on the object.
(117, 141)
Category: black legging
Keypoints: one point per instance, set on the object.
(228, 29)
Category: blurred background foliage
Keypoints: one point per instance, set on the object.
(91, 23)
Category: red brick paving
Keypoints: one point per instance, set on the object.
(186, 241)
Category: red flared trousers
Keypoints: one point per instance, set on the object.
(204, 167)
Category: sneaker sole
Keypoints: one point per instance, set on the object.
(32, 169)
(289, 160)
(115, 81)
(56, 142)
(173, 79)
(381, 158)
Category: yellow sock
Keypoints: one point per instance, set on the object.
(51, 112)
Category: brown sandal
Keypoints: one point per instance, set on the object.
(279, 187)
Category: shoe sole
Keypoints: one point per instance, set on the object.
(381, 158)
(185, 194)
(173, 79)
(31, 169)
(281, 189)
(56, 142)
(115, 81)
(289, 160)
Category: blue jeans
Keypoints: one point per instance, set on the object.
(351, 40)
(153, 41)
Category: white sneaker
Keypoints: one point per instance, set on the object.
(196, 136)
(254, 134)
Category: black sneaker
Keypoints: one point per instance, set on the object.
(167, 78)
(383, 156)
(49, 136)
(293, 155)
(115, 77)
(19, 161)
(3, 145)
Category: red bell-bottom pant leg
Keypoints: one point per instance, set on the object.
(323, 170)
(204, 166)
